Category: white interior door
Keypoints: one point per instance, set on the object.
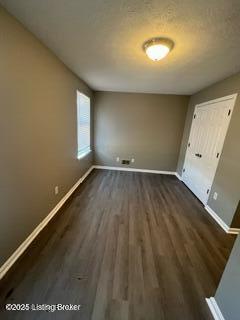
(209, 127)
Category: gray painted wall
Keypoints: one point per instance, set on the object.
(227, 295)
(37, 131)
(147, 127)
(227, 178)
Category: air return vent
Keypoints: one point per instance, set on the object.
(125, 161)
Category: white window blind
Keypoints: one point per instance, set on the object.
(83, 126)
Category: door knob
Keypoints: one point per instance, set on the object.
(198, 155)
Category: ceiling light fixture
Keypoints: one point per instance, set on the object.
(158, 48)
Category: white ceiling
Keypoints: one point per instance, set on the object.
(101, 40)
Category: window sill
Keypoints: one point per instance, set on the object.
(83, 154)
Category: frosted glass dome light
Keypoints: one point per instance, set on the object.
(158, 48)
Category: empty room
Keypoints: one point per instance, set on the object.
(120, 160)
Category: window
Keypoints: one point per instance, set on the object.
(83, 124)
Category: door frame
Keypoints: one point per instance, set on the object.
(232, 99)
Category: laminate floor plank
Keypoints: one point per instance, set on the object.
(126, 246)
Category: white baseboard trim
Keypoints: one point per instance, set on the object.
(234, 230)
(134, 170)
(225, 227)
(214, 308)
(178, 176)
(217, 218)
(20, 250)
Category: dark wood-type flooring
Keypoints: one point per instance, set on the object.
(126, 246)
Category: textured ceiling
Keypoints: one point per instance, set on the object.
(101, 40)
